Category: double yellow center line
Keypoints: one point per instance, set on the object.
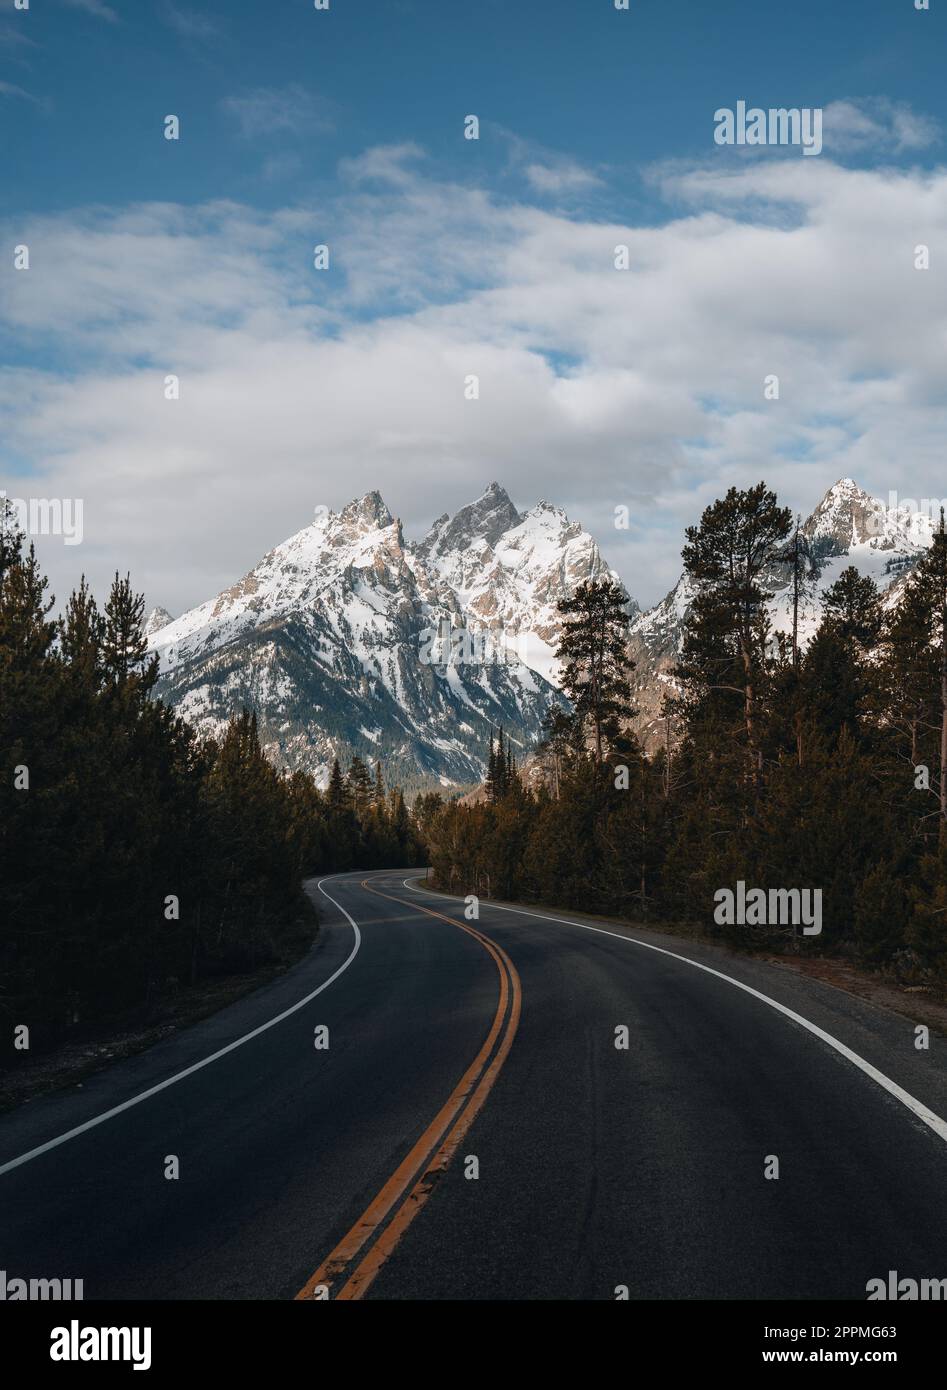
(355, 1262)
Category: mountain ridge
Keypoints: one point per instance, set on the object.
(348, 638)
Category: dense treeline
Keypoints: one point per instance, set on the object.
(134, 856)
(819, 767)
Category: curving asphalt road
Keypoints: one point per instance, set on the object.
(472, 1131)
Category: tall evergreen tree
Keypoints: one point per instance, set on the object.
(337, 796)
(124, 647)
(359, 785)
(914, 667)
(81, 637)
(797, 554)
(725, 646)
(852, 606)
(593, 653)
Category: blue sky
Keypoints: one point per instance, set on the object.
(625, 88)
(451, 256)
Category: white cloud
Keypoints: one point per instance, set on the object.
(879, 125)
(547, 172)
(268, 110)
(598, 386)
(382, 164)
(566, 177)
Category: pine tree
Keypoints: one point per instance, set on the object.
(557, 744)
(337, 797)
(499, 774)
(915, 666)
(359, 786)
(124, 647)
(727, 556)
(26, 635)
(593, 652)
(81, 637)
(830, 689)
(853, 608)
(932, 576)
(837, 681)
(401, 822)
(490, 780)
(798, 556)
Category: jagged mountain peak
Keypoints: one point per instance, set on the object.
(482, 521)
(368, 512)
(329, 637)
(157, 619)
(843, 494)
(515, 590)
(847, 515)
(843, 489)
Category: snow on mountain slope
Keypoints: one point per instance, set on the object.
(508, 571)
(851, 518)
(850, 527)
(330, 638)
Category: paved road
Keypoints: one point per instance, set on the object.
(488, 1047)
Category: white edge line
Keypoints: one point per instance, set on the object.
(916, 1107)
(189, 1071)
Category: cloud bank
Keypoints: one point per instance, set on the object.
(598, 386)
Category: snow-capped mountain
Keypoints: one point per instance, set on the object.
(508, 571)
(348, 638)
(155, 621)
(848, 527)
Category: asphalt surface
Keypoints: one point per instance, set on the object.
(596, 1167)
